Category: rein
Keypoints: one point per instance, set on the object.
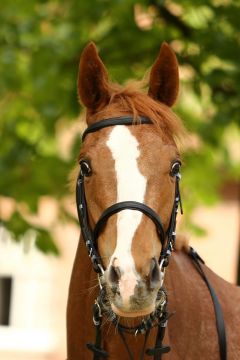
(101, 306)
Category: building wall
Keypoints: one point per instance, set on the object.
(39, 296)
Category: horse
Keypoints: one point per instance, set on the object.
(128, 197)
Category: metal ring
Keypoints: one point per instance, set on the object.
(101, 268)
(162, 270)
(99, 308)
(99, 281)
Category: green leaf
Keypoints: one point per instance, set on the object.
(45, 243)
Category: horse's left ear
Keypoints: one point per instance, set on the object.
(164, 77)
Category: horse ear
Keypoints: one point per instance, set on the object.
(164, 77)
(92, 79)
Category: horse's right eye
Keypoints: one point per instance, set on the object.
(85, 168)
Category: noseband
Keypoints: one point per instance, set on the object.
(90, 236)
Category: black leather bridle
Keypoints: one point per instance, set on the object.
(90, 236)
(167, 239)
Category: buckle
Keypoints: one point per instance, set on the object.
(97, 313)
(162, 268)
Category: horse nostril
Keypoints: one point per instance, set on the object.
(114, 275)
(154, 275)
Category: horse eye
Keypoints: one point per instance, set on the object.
(85, 168)
(175, 169)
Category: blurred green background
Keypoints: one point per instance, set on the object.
(40, 46)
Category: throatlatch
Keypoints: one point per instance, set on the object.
(160, 316)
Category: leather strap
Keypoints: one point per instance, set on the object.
(121, 120)
(85, 228)
(129, 205)
(217, 307)
(98, 352)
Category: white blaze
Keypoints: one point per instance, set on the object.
(131, 186)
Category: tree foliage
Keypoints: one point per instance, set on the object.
(40, 44)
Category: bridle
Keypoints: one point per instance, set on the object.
(90, 236)
(167, 238)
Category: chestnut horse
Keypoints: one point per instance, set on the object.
(138, 164)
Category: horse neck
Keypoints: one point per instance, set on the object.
(184, 285)
(190, 302)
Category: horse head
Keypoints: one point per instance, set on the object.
(124, 163)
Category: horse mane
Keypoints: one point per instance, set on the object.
(133, 99)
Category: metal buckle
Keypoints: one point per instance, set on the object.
(99, 309)
(80, 179)
(101, 268)
(97, 322)
(164, 324)
(162, 271)
(99, 280)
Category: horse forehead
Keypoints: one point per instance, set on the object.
(128, 145)
(122, 141)
(126, 151)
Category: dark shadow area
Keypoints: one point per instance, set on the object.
(5, 299)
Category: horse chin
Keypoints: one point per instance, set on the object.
(133, 313)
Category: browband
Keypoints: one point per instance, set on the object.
(121, 120)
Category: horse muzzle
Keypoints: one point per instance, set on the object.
(131, 295)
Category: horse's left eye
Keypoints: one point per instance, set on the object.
(175, 169)
(85, 168)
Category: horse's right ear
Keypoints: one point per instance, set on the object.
(92, 79)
